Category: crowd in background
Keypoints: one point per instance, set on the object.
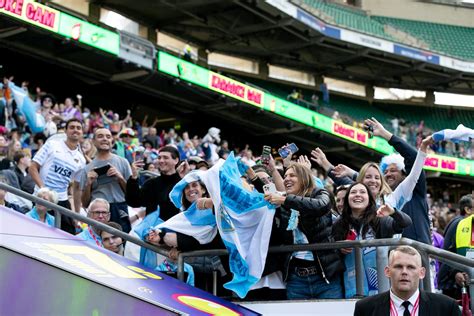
(120, 171)
(411, 132)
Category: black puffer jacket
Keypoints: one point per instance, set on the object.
(315, 222)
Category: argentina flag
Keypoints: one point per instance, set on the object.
(27, 108)
(461, 133)
(200, 224)
(243, 219)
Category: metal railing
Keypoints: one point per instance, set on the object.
(60, 211)
(454, 260)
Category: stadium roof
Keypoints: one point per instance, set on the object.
(257, 30)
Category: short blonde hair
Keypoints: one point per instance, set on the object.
(406, 250)
(53, 196)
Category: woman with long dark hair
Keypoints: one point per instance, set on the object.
(362, 220)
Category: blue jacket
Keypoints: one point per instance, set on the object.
(49, 219)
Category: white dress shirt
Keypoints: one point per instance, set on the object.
(399, 308)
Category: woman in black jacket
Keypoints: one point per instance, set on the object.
(305, 217)
(361, 220)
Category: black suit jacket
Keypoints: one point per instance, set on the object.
(431, 304)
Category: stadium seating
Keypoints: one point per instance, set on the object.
(451, 40)
(350, 18)
(435, 119)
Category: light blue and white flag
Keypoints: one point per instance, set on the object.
(28, 108)
(244, 220)
(461, 133)
(147, 257)
(200, 224)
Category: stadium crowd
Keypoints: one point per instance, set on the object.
(125, 173)
(410, 131)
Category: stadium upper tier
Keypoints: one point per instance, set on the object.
(451, 40)
(350, 18)
(448, 40)
(435, 118)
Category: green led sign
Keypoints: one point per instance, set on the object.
(89, 34)
(208, 79)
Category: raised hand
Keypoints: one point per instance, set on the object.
(378, 129)
(303, 160)
(183, 169)
(136, 167)
(287, 159)
(426, 142)
(385, 210)
(341, 171)
(318, 156)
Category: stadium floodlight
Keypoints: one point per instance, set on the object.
(468, 1)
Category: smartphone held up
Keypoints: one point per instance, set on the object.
(266, 153)
(287, 150)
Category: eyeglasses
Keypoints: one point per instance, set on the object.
(102, 213)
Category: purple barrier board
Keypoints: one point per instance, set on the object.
(24, 237)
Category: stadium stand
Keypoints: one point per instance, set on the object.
(348, 17)
(449, 40)
(357, 109)
(141, 174)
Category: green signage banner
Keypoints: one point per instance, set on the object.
(205, 78)
(89, 34)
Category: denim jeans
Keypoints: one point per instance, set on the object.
(312, 286)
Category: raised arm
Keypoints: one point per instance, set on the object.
(392, 221)
(318, 156)
(104, 117)
(404, 191)
(402, 147)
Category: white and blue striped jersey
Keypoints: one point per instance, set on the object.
(58, 166)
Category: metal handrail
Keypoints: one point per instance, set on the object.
(454, 260)
(59, 210)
